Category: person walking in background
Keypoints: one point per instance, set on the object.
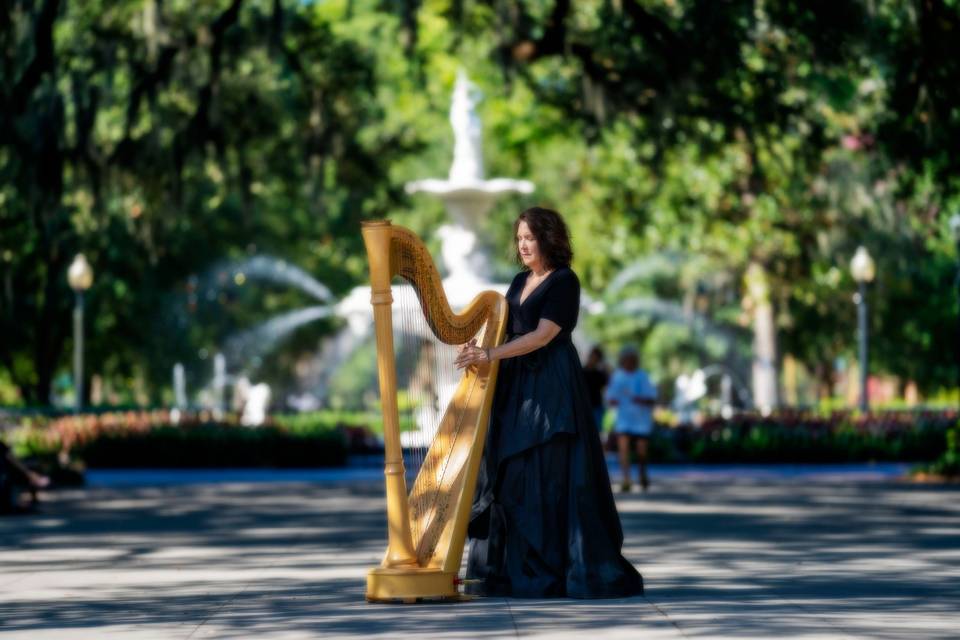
(634, 397)
(597, 375)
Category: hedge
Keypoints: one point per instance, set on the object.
(797, 437)
(155, 439)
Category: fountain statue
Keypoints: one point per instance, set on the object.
(466, 194)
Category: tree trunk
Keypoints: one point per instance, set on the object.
(765, 393)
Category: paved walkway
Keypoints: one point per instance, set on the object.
(797, 554)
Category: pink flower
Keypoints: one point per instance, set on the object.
(851, 143)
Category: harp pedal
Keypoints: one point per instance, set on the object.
(465, 597)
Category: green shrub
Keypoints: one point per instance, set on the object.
(313, 420)
(796, 437)
(948, 464)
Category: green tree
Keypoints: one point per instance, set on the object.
(160, 138)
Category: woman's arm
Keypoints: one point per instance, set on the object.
(546, 331)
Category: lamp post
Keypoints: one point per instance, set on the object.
(80, 277)
(863, 270)
(955, 230)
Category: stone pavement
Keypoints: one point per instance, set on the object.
(725, 552)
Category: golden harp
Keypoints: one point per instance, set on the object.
(427, 527)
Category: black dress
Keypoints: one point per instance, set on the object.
(544, 523)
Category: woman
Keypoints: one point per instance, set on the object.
(544, 523)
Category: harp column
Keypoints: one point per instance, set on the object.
(400, 551)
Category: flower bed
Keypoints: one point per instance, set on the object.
(325, 438)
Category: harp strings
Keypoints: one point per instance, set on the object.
(410, 384)
(426, 377)
(427, 381)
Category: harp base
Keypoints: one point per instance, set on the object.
(407, 585)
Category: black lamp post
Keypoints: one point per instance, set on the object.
(863, 270)
(80, 277)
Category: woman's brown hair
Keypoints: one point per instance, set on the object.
(553, 237)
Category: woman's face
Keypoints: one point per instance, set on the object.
(527, 246)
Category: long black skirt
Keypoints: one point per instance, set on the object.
(544, 522)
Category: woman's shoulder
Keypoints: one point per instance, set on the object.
(565, 277)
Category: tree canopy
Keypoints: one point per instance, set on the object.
(163, 138)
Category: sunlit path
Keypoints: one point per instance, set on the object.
(762, 557)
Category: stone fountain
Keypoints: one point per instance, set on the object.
(468, 196)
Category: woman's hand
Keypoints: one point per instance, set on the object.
(471, 355)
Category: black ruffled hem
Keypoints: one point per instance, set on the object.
(544, 523)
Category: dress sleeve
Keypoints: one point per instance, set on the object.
(562, 301)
